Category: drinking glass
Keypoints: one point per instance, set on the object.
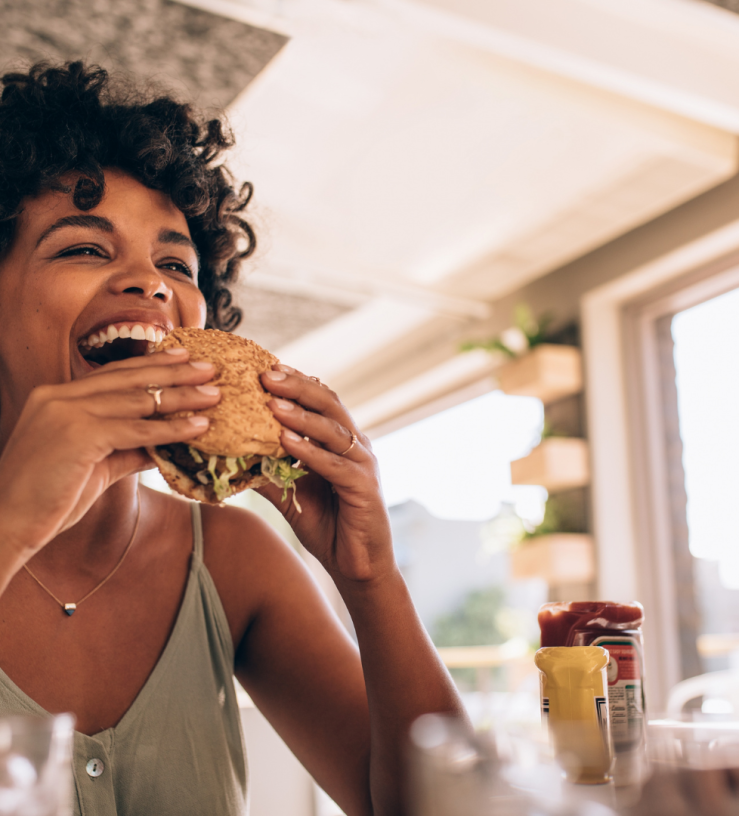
(35, 765)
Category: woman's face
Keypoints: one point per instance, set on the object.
(73, 280)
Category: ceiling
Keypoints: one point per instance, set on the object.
(416, 161)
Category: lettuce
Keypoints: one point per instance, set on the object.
(282, 473)
(221, 484)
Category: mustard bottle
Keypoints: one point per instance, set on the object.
(574, 702)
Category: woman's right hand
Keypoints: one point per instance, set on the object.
(73, 440)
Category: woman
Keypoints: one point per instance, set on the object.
(115, 211)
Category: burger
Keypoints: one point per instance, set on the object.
(241, 448)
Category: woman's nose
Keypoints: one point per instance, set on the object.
(144, 281)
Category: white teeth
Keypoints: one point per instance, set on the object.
(138, 332)
(151, 347)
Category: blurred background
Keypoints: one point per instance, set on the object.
(506, 232)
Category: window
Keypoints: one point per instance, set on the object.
(682, 367)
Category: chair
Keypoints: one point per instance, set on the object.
(719, 685)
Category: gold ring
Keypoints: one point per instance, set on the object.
(353, 443)
(155, 391)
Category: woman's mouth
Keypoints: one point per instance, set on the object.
(119, 341)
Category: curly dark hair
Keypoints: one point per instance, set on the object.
(56, 120)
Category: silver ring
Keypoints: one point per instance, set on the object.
(154, 390)
(353, 443)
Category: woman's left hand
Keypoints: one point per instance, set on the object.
(343, 523)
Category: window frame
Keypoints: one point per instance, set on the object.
(633, 505)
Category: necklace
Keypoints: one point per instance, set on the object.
(69, 608)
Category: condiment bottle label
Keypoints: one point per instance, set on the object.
(625, 690)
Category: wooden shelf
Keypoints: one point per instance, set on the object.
(558, 463)
(548, 372)
(560, 558)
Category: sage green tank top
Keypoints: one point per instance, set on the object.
(179, 749)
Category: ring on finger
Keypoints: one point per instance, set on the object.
(154, 390)
(351, 445)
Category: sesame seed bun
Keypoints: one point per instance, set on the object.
(241, 424)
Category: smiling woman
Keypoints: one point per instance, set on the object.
(59, 129)
(118, 225)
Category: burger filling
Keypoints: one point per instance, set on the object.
(223, 473)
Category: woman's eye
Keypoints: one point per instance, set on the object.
(81, 250)
(178, 266)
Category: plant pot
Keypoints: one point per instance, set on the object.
(548, 371)
(558, 464)
(559, 558)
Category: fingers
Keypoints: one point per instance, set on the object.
(166, 357)
(126, 462)
(162, 368)
(126, 434)
(334, 436)
(161, 371)
(340, 471)
(290, 384)
(138, 402)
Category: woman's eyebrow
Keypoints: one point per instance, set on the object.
(91, 221)
(179, 238)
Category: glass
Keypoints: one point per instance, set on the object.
(35, 765)
(513, 771)
(508, 771)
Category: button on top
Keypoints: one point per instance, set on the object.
(95, 767)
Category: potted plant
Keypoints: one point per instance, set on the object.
(531, 364)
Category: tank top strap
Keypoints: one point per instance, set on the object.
(197, 532)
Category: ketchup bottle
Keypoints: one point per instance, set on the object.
(617, 628)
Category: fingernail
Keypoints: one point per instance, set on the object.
(293, 437)
(202, 365)
(210, 390)
(286, 369)
(199, 422)
(275, 376)
(284, 405)
(178, 352)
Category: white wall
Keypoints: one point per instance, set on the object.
(278, 783)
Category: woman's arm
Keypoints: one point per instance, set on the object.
(345, 525)
(73, 440)
(345, 718)
(404, 678)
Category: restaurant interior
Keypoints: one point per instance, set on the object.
(506, 233)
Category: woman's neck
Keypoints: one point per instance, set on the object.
(98, 540)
